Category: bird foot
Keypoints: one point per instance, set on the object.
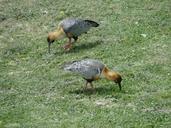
(67, 47)
(89, 89)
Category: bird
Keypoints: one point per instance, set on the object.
(70, 28)
(91, 70)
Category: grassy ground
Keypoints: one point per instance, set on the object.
(133, 39)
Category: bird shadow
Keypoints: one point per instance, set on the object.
(81, 47)
(97, 90)
(85, 46)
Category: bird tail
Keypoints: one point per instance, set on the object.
(68, 66)
(93, 23)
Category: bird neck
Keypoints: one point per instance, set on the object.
(59, 33)
(110, 75)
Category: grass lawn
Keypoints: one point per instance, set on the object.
(134, 38)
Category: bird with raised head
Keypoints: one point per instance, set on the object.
(70, 28)
(92, 70)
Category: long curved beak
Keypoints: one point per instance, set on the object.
(49, 46)
(119, 84)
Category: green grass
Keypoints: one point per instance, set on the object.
(133, 38)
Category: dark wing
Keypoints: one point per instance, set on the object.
(77, 26)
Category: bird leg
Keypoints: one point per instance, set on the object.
(93, 89)
(86, 85)
(75, 38)
(89, 81)
(68, 46)
(91, 85)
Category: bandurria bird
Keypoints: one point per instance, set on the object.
(70, 28)
(92, 70)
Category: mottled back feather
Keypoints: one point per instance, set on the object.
(77, 26)
(87, 68)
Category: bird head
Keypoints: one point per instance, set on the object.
(112, 75)
(52, 36)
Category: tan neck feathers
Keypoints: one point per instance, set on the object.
(110, 75)
(59, 33)
(106, 73)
